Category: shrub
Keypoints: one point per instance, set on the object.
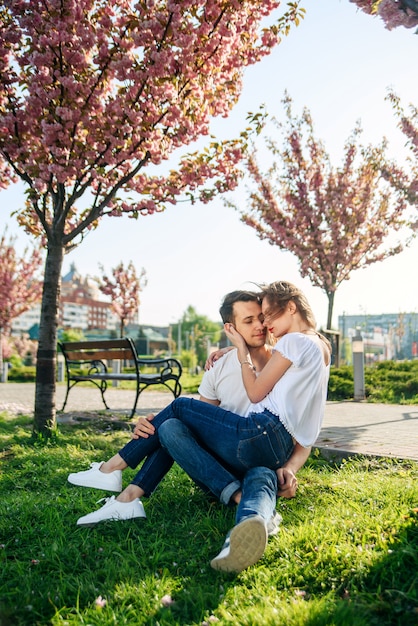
(389, 382)
(341, 383)
(24, 374)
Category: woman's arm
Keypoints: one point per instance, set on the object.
(214, 356)
(286, 475)
(257, 387)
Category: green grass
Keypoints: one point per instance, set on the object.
(346, 555)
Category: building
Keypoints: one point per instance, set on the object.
(82, 308)
(386, 336)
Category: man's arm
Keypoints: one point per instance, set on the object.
(214, 402)
(144, 428)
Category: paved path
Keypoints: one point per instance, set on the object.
(388, 430)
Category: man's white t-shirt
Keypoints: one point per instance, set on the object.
(223, 382)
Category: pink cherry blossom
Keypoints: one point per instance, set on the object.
(394, 13)
(123, 289)
(20, 285)
(94, 96)
(333, 219)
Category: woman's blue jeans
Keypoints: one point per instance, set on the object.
(234, 442)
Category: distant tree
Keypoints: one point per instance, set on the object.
(123, 288)
(20, 285)
(94, 95)
(23, 350)
(72, 334)
(333, 219)
(394, 13)
(195, 332)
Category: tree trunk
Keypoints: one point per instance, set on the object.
(331, 295)
(44, 422)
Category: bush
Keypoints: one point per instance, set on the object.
(24, 374)
(389, 382)
(341, 383)
(393, 382)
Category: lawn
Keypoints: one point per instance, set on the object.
(347, 552)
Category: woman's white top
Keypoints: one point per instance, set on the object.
(298, 398)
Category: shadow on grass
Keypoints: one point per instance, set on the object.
(386, 594)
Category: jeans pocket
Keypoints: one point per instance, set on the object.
(271, 448)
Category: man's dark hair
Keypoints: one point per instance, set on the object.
(227, 308)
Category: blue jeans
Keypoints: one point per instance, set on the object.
(259, 494)
(240, 443)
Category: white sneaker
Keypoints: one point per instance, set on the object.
(115, 511)
(244, 545)
(273, 524)
(93, 477)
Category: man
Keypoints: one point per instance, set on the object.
(221, 385)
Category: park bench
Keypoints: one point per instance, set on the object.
(97, 362)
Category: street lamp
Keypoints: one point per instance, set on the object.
(358, 365)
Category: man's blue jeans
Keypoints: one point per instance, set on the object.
(259, 494)
(239, 443)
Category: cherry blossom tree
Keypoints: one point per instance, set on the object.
(123, 287)
(20, 285)
(96, 94)
(408, 124)
(394, 13)
(333, 219)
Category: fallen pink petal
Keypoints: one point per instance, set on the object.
(100, 602)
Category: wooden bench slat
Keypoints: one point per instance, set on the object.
(97, 345)
(86, 355)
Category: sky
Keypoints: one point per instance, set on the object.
(339, 63)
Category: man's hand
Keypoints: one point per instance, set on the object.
(287, 483)
(143, 427)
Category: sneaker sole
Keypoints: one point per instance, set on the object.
(111, 519)
(248, 541)
(91, 486)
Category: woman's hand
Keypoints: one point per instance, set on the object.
(143, 427)
(234, 336)
(287, 483)
(214, 356)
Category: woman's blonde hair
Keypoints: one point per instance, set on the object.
(280, 293)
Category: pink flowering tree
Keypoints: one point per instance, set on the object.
(95, 95)
(20, 285)
(123, 287)
(333, 219)
(408, 124)
(394, 13)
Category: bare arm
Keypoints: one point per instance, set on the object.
(257, 387)
(214, 356)
(286, 475)
(214, 402)
(143, 428)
